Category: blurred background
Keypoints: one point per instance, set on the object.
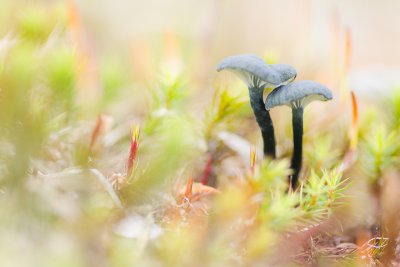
(120, 144)
(308, 34)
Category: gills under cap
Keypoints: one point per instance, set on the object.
(255, 72)
(297, 94)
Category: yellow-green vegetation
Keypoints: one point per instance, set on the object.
(78, 189)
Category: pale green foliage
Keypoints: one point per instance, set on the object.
(34, 24)
(44, 200)
(278, 210)
(113, 78)
(174, 136)
(170, 91)
(321, 153)
(369, 121)
(62, 76)
(394, 104)
(165, 99)
(22, 113)
(223, 110)
(314, 201)
(271, 176)
(380, 150)
(320, 194)
(14, 103)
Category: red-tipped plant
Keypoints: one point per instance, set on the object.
(353, 134)
(189, 188)
(133, 149)
(96, 132)
(253, 156)
(347, 51)
(351, 155)
(194, 191)
(207, 170)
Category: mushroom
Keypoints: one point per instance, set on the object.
(297, 95)
(259, 75)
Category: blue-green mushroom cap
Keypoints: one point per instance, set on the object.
(287, 72)
(297, 94)
(256, 73)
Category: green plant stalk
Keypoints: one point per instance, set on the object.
(264, 120)
(297, 121)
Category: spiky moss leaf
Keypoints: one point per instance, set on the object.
(169, 92)
(223, 110)
(227, 106)
(322, 193)
(166, 97)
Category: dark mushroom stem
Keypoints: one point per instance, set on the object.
(259, 75)
(263, 119)
(297, 95)
(297, 122)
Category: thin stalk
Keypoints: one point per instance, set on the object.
(297, 122)
(264, 121)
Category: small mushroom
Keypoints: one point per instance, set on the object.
(259, 75)
(297, 95)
